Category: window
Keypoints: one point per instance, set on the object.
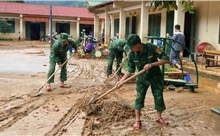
(154, 24)
(116, 26)
(63, 28)
(12, 28)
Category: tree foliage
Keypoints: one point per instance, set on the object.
(4, 26)
(168, 5)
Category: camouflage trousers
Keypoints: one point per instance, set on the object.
(157, 91)
(63, 73)
(111, 56)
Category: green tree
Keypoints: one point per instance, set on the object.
(4, 26)
(17, 1)
(187, 4)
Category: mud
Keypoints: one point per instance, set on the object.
(23, 69)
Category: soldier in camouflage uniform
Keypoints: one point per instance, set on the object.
(116, 50)
(58, 54)
(145, 56)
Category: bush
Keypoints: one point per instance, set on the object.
(5, 39)
(4, 26)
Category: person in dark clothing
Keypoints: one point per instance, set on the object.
(174, 54)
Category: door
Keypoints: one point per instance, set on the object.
(169, 28)
(116, 26)
(28, 30)
(127, 26)
(43, 29)
(133, 25)
(189, 26)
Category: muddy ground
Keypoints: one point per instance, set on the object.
(23, 69)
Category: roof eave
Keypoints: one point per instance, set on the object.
(92, 9)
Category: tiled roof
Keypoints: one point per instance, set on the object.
(36, 9)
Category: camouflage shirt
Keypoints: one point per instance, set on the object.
(59, 52)
(151, 53)
(117, 44)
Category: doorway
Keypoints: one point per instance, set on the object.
(189, 33)
(35, 31)
(32, 30)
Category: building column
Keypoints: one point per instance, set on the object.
(122, 24)
(163, 23)
(112, 26)
(107, 27)
(179, 16)
(96, 26)
(103, 25)
(144, 22)
(21, 27)
(77, 28)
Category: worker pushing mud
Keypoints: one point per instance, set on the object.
(148, 57)
(116, 50)
(58, 54)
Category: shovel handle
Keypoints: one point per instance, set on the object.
(47, 80)
(119, 68)
(52, 75)
(126, 80)
(116, 72)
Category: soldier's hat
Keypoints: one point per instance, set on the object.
(63, 37)
(132, 40)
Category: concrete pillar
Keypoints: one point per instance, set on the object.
(112, 26)
(163, 23)
(77, 28)
(122, 24)
(21, 27)
(107, 27)
(179, 16)
(96, 26)
(103, 25)
(144, 22)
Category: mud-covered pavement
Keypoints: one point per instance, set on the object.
(23, 69)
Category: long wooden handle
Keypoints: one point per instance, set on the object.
(115, 72)
(47, 80)
(52, 75)
(126, 80)
(118, 68)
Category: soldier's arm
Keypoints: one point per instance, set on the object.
(161, 55)
(55, 53)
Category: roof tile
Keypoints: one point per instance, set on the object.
(36, 9)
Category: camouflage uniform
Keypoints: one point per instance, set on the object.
(58, 54)
(153, 77)
(115, 51)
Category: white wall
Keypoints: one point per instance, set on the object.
(73, 30)
(207, 22)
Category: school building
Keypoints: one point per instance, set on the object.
(31, 19)
(139, 17)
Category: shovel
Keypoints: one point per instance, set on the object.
(93, 100)
(38, 90)
(118, 68)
